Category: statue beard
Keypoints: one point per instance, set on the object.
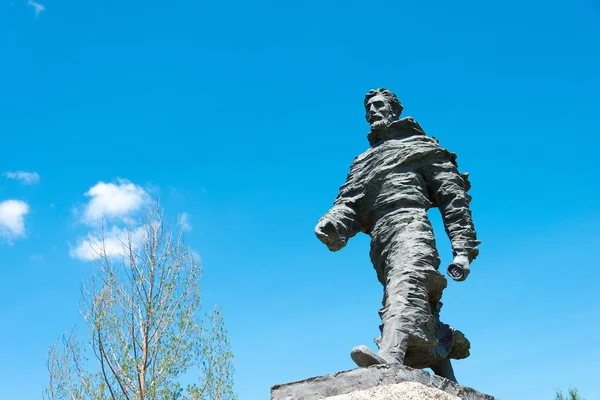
(381, 124)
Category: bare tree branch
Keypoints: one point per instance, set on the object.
(145, 326)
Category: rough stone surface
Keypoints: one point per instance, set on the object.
(386, 195)
(399, 391)
(359, 379)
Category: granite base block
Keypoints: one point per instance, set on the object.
(399, 391)
(340, 383)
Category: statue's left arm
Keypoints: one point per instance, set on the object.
(448, 190)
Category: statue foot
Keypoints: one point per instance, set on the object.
(364, 357)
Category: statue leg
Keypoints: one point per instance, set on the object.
(444, 369)
(406, 260)
(393, 344)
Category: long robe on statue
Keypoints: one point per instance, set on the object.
(387, 194)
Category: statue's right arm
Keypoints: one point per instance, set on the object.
(337, 226)
(342, 221)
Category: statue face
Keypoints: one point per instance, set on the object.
(379, 112)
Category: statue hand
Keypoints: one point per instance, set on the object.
(460, 268)
(328, 234)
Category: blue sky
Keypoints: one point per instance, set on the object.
(246, 117)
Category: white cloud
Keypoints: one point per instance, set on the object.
(89, 248)
(12, 214)
(36, 257)
(110, 200)
(26, 178)
(37, 6)
(112, 203)
(184, 222)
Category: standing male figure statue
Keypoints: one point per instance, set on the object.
(387, 194)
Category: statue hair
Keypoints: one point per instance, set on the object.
(395, 104)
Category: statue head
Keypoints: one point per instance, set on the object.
(382, 107)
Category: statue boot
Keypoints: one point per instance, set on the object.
(392, 348)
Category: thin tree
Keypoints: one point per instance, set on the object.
(146, 333)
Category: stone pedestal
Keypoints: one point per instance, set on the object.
(399, 391)
(377, 381)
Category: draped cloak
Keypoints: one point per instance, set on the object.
(387, 194)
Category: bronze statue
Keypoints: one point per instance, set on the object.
(387, 194)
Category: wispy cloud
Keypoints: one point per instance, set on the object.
(112, 241)
(196, 256)
(36, 257)
(113, 200)
(38, 7)
(12, 219)
(26, 178)
(184, 222)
